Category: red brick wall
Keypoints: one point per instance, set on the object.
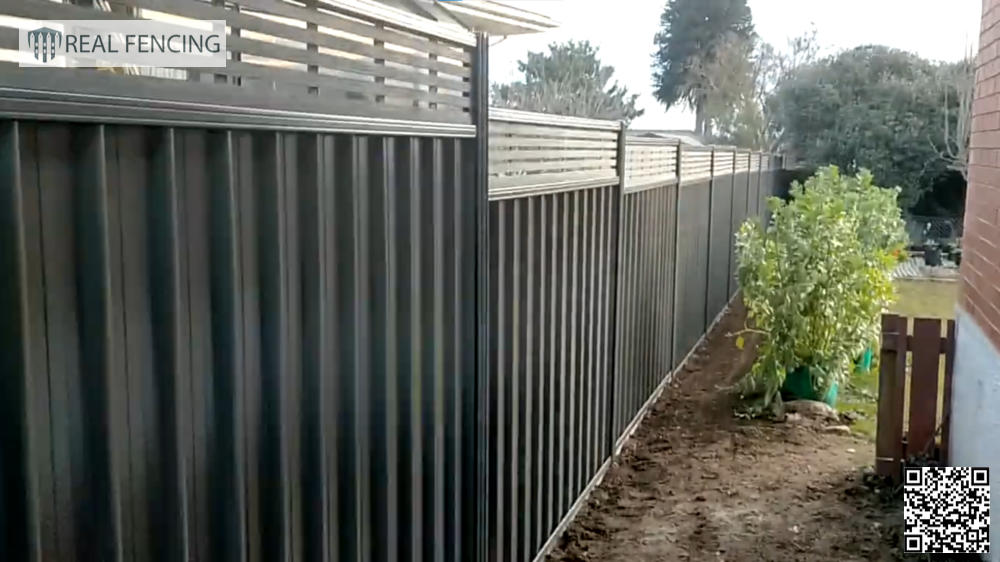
(981, 241)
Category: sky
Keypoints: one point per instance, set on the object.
(623, 30)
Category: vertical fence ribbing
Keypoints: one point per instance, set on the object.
(265, 246)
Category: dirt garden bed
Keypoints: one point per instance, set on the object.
(696, 483)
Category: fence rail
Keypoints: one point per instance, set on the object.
(268, 314)
(914, 402)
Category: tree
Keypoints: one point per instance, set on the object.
(870, 107)
(693, 36)
(746, 118)
(958, 81)
(727, 80)
(568, 80)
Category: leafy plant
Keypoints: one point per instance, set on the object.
(570, 79)
(816, 281)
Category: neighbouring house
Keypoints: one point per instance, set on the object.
(689, 138)
(975, 426)
(496, 18)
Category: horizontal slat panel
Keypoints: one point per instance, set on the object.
(528, 156)
(742, 162)
(500, 141)
(647, 163)
(695, 164)
(506, 155)
(350, 49)
(608, 176)
(521, 130)
(552, 165)
(755, 162)
(502, 114)
(356, 50)
(361, 27)
(722, 164)
(291, 54)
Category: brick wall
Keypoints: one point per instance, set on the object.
(981, 242)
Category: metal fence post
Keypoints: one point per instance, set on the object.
(616, 290)
(674, 361)
(480, 105)
(708, 260)
(733, 229)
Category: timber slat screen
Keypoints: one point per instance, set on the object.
(352, 57)
(325, 304)
(533, 153)
(914, 403)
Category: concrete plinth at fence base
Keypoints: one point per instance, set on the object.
(974, 405)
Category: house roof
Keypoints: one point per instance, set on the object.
(497, 18)
(490, 16)
(685, 137)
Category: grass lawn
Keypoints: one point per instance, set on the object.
(923, 299)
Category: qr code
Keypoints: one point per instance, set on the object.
(946, 510)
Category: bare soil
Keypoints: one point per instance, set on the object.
(696, 483)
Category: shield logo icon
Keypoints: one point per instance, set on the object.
(43, 43)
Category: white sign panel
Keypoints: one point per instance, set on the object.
(124, 43)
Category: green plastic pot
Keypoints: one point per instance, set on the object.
(799, 386)
(864, 364)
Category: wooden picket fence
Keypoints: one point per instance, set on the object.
(912, 384)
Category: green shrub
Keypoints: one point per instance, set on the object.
(817, 280)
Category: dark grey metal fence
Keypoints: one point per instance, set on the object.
(720, 236)
(647, 291)
(693, 221)
(227, 345)
(231, 332)
(610, 258)
(267, 314)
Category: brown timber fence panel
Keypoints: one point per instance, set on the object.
(914, 400)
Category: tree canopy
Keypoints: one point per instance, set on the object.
(568, 80)
(694, 36)
(871, 107)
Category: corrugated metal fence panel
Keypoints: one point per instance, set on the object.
(693, 212)
(646, 315)
(552, 292)
(766, 189)
(741, 189)
(226, 345)
(721, 245)
(753, 199)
